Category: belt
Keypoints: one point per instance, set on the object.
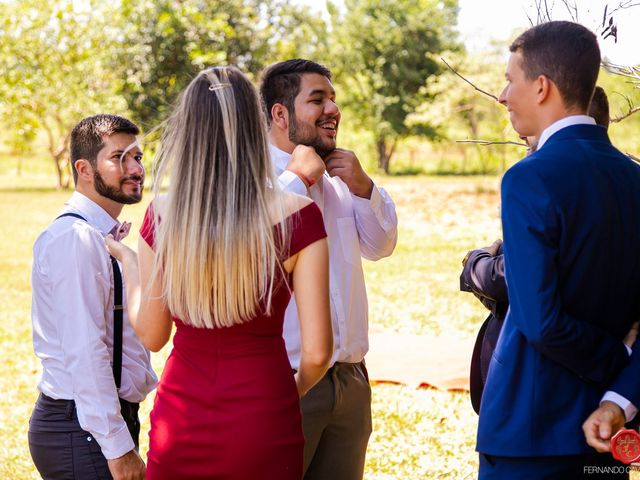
(126, 408)
(335, 366)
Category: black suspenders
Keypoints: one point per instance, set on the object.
(117, 312)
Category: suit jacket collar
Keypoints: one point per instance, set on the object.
(565, 122)
(579, 131)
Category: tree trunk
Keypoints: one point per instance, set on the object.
(58, 149)
(58, 175)
(383, 158)
(385, 152)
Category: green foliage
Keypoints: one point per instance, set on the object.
(459, 112)
(622, 95)
(166, 43)
(63, 60)
(418, 434)
(386, 50)
(52, 74)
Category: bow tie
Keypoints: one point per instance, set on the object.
(120, 231)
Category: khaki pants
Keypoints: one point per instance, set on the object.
(336, 419)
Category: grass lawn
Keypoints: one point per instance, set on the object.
(418, 434)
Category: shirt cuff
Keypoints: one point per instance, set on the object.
(290, 182)
(627, 407)
(116, 444)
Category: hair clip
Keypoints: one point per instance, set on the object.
(218, 86)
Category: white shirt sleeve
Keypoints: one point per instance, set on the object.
(80, 272)
(290, 182)
(627, 407)
(377, 224)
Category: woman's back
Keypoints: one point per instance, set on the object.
(219, 258)
(227, 404)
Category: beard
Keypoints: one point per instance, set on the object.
(116, 194)
(302, 133)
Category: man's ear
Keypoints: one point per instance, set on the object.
(280, 116)
(84, 169)
(544, 86)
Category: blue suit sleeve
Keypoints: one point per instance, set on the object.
(531, 238)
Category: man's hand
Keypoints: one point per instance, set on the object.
(602, 425)
(632, 334)
(127, 467)
(493, 248)
(345, 165)
(307, 164)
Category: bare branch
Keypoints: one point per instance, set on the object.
(573, 10)
(529, 18)
(476, 88)
(485, 143)
(623, 5)
(624, 71)
(629, 72)
(628, 114)
(546, 15)
(546, 9)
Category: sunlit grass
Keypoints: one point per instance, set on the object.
(418, 434)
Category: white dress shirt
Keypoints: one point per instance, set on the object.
(72, 315)
(355, 227)
(628, 408)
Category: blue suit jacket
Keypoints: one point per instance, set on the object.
(571, 224)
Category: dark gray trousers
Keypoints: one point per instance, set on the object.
(336, 419)
(61, 449)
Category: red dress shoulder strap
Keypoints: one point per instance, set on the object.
(148, 228)
(307, 227)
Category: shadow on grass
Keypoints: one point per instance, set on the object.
(407, 172)
(419, 171)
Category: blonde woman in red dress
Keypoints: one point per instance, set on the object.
(219, 255)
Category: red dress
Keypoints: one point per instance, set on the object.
(227, 405)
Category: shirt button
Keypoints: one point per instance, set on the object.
(89, 439)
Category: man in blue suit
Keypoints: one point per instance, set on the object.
(571, 224)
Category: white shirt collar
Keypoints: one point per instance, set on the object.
(92, 212)
(563, 123)
(279, 157)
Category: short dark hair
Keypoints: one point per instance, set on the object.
(87, 137)
(599, 107)
(281, 82)
(565, 52)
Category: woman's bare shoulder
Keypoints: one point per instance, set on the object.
(285, 204)
(294, 202)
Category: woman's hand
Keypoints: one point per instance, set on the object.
(117, 249)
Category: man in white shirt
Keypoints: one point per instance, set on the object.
(360, 220)
(94, 370)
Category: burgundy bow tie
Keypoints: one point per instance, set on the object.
(120, 231)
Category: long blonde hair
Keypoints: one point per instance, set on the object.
(216, 247)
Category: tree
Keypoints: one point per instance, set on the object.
(52, 70)
(457, 111)
(166, 43)
(384, 52)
